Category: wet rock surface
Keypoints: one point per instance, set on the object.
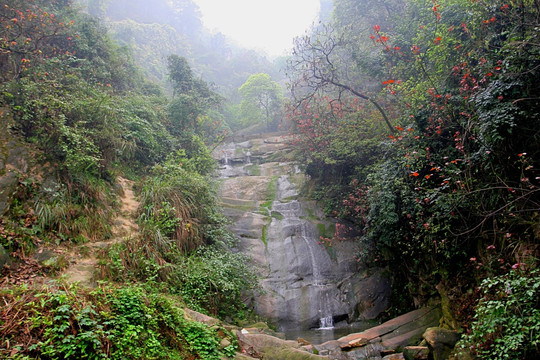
(304, 279)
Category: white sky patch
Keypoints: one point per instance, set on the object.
(270, 25)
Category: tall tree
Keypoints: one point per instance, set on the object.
(193, 97)
(262, 100)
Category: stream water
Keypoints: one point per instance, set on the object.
(319, 336)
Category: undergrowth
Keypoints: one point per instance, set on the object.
(131, 322)
(507, 320)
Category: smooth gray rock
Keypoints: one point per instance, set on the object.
(272, 348)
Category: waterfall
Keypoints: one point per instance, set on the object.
(326, 320)
(326, 323)
(319, 288)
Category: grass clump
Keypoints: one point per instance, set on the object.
(253, 170)
(264, 234)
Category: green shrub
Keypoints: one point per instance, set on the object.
(130, 322)
(507, 321)
(214, 280)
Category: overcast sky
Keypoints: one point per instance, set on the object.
(269, 25)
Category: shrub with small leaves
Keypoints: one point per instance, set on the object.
(507, 321)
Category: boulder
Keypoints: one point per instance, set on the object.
(370, 351)
(272, 348)
(416, 352)
(44, 256)
(224, 343)
(197, 316)
(8, 185)
(399, 356)
(262, 328)
(441, 342)
(399, 332)
(331, 349)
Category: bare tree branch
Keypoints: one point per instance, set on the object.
(315, 67)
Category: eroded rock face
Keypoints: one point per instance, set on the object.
(304, 279)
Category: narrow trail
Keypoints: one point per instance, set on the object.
(83, 268)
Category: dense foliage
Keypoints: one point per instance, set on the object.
(82, 102)
(453, 184)
(508, 318)
(88, 114)
(131, 322)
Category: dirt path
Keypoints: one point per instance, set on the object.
(82, 269)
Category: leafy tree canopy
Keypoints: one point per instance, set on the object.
(262, 100)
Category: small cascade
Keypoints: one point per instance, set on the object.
(326, 323)
(229, 168)
(248, 158)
